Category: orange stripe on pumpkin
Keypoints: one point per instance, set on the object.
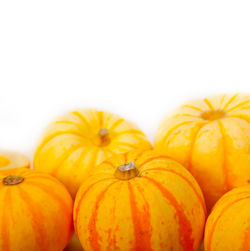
(101, 118)
(200, 198)
(239, 105)
(77, 209)
(141, 222)
(130, 131)
(212, 228)
(185, 228)
(246, 241)
(94, 237)
(224, 164)
(37, 220)
(192, 107)
(241, 117)
(5, 221)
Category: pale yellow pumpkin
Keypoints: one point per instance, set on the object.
(10, 160)
(75, 143)
(211, 138)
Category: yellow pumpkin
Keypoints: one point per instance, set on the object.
(9, 160)
(211, 138)
(228, 226)
(36, 212)
(75, 143)
(140, 201)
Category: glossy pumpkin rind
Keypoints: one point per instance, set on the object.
(211, 138)
(10, 160)
(75, 143)
(160, 209)
(36, 212)
(228, 226)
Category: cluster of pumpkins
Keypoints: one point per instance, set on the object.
(97, 174)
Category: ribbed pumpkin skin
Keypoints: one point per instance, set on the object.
(35, 215)
(228, 226)
(215, 150)
(161, 209)
(69, 148)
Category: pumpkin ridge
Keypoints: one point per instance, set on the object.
(82, 118)
(65, 156)
(94, 236)
(116, 124)
(47, 189)
(129, 131)
(223, 210)
(100, 115)
(241, 117)
(187, 181)
(239, 105)
(173, 129)
(141, 223)
(69, 122)
(208, 103)
(230, 101)
(78, 204)
(5, 224)
(53, 136)
(193, 107)
(130, 145)
(140, 166)
(190, 156)
(185, 229)
(37, 219)
(224, 164)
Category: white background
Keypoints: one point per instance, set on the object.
(139, 59)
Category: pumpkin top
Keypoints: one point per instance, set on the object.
(12, 180)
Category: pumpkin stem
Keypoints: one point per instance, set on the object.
(104, 136)
(213, 115)
(12, 180)
(126, 171)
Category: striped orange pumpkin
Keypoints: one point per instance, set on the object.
(140, 201)
(211, 138)
(78, 141)
(10, 160)
(228, 226)
(36, 212)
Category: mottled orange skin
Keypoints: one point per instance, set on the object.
(10, 160)
(211, 138)
(228, 226)
(36, 214)
(160, 209)
(71, 146)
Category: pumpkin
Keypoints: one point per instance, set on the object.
(211, 138)
(228, 226)
(140, 201)
(36, 212)
(75, 143)
(9, 160)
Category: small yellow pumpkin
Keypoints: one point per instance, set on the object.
(75, 143)
(36, 212)
(228, 226)
(140, 201)
(211, 138)
(10, 160)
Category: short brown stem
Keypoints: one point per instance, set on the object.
(12, 180)
(104, 136)
(126, 171)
